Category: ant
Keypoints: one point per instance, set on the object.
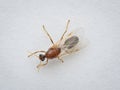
(65, 46)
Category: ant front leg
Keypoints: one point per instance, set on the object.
(42, 64)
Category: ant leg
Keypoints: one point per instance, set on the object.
(64, 54)
(73, 51)
(70, 34)
(48, 34)
(40, 65)
(68, 53)
(65, 30)
(35, 53)
(60, 59)
(76, 50)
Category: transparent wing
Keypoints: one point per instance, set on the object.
(72, 42)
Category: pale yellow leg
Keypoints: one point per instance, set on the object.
(41, 65)
(70, 34)
(68, 53)
(73, 51)
(48, 34)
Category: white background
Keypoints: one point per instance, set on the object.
(96, 67)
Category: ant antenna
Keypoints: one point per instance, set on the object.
(35, 53)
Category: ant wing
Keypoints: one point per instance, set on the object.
(71, 43)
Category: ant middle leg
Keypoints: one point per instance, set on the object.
(48, 34)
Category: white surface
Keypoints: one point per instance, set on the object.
(95, 68)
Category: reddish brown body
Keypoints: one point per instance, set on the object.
(52, 53)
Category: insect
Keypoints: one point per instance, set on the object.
(66, 45)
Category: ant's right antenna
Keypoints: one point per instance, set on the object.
(31, 54)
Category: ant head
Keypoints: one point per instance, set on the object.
(42, 57)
